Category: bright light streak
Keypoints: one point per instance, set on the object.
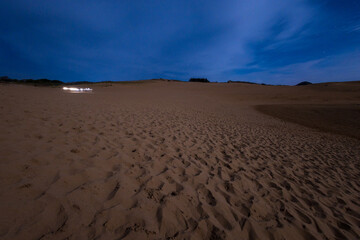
(73, 89)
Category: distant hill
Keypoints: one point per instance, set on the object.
(47, 82)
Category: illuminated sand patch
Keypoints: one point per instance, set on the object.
(77, 90)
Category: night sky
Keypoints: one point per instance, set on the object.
(264, 41)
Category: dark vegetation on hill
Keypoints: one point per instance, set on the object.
(199, 80)
(231, 81)
(38, 82)
(303, 83)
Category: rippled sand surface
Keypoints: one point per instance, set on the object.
(169, 160)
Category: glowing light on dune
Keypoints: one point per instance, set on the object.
(74, 89)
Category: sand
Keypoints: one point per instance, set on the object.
(169, 160)
(341, 119)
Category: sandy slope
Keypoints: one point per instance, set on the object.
(174, 160)
(341, 119)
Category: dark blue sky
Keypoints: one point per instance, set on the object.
(270, 41)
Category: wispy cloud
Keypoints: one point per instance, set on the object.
(240, 40)
(355, 28)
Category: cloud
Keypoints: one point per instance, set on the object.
(121, 40)
(354, 28)
(328, 69)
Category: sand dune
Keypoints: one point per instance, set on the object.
(337, 118)
(169, 160)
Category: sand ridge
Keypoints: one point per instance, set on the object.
(172, 161)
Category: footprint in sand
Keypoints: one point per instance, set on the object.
(206, 193)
